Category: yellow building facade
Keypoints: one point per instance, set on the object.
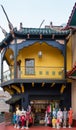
(38, 62)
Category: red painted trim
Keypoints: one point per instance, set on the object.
(72, 13)
(72, 70)
(70, 18)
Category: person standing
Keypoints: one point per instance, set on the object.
(59, 116)
(28, 112)
(48, 109)
(46, 118)
(70, 117)
(22, 118)
(18, 113)
(65, 116)
(54, 113)
(14, 119)
(54, 122)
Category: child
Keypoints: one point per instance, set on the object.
(54, 113)
(14, 119)
(46, 118)
(28, 112)
(60, 116)
(18, 112)
(18, 121)
(54, 121)
(22, 119)
(30, 120)
(58, 123)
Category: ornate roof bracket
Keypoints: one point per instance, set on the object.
(8, 90)
(16, 88)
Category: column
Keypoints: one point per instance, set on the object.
(15, 59)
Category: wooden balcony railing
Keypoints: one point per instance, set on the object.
(43, 72)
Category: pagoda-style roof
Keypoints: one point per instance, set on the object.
(72, 19)
(72, 73)
(34, 34)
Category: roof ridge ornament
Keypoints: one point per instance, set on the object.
(41, 23)
(9, 23)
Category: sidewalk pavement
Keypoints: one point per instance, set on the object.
(10, 127)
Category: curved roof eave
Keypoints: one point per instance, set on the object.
(51, 43)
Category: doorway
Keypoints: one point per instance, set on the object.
(39, 107)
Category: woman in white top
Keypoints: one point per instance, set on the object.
(60, 116)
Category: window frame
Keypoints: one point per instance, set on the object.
(30, 70)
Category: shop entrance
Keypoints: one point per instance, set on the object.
(39, 107)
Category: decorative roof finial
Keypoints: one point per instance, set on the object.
(51, 24)
(41, 23)
(21, 26)
(9, 23)
(4, 31)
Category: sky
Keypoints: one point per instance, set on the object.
(32, 12)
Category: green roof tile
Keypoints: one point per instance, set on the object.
(44, 31)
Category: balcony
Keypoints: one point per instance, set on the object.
(37, 72)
